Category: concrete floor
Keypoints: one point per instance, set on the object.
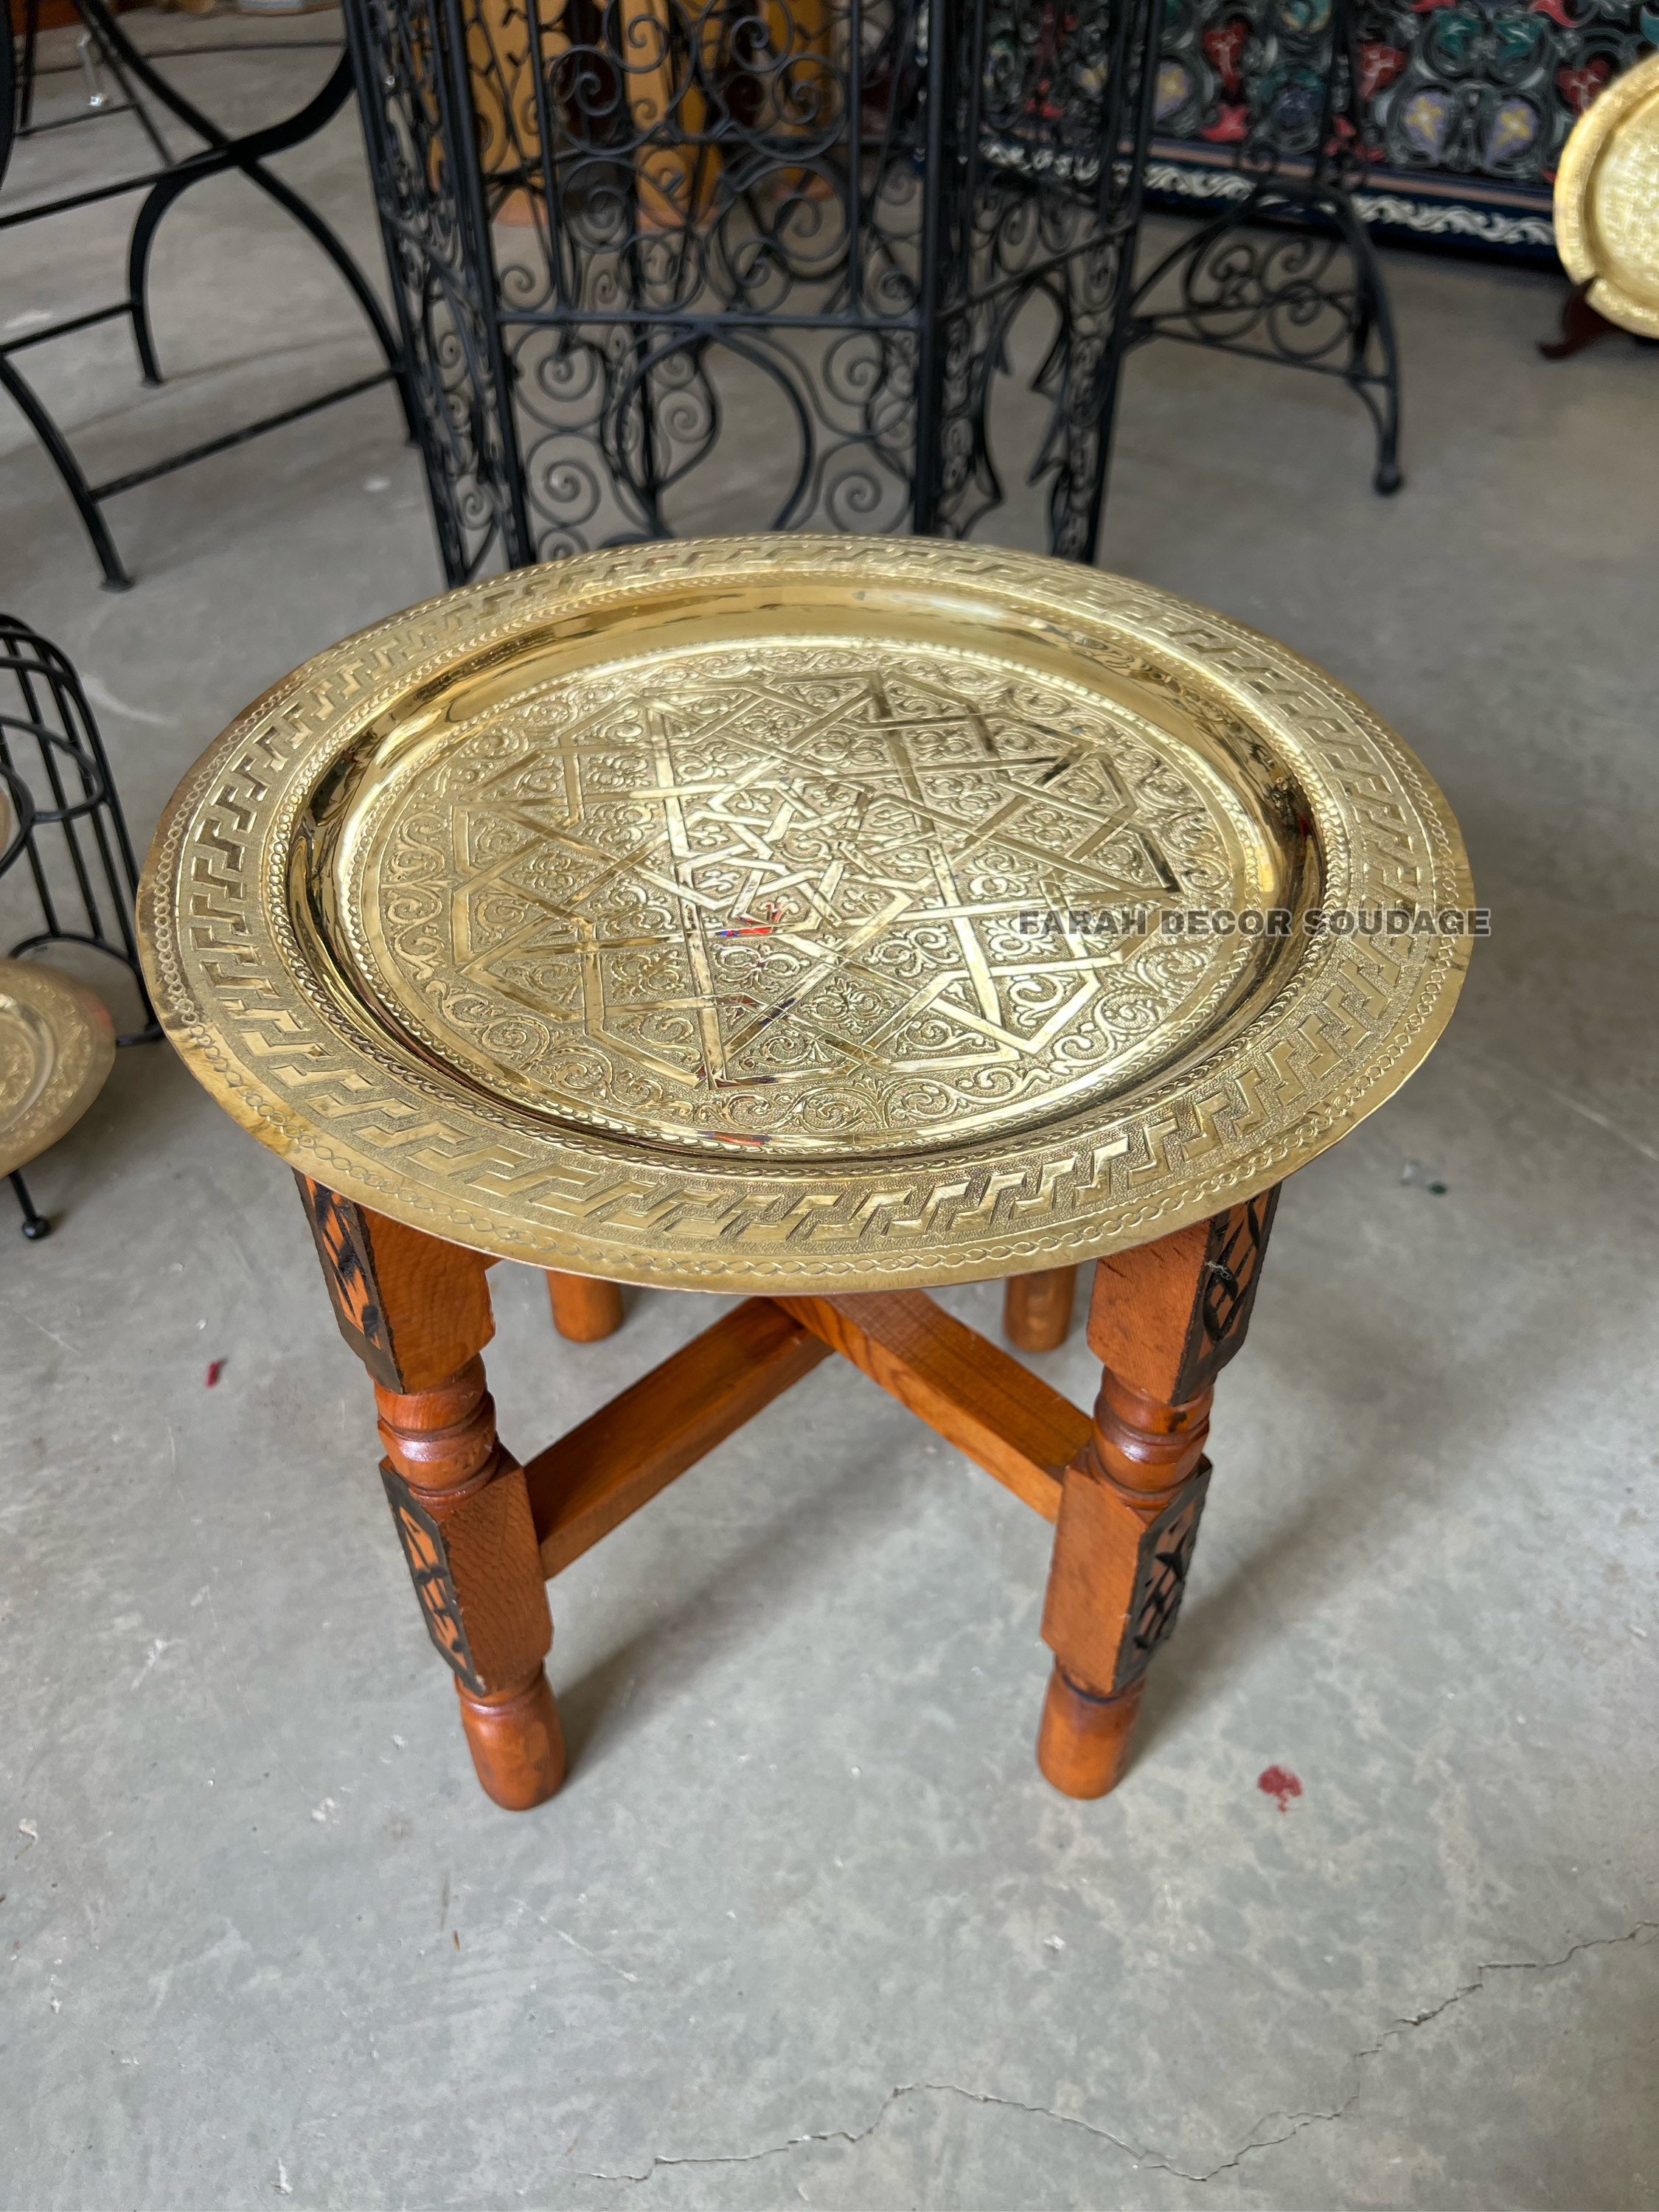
(805, 1926)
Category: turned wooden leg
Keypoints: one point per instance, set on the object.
(584, 1308)
(416, 1312)
(1037, 1309)
(1163, 1321)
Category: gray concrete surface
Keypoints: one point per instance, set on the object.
(806, 1927)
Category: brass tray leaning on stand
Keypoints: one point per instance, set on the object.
(804, 917)
(1607, 212)
(57, 1049)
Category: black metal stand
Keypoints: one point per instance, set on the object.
(1288, 273)
(632, 242)
(221, 154)
(63, 826)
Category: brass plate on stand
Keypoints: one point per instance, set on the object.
(1606, 200)
(789, 910)
(57, 1049)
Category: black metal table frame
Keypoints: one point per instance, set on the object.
(220, 154)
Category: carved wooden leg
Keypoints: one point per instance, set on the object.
(417, 1313)
(584, 1308)
(1037, 1309)
(1165, 1320)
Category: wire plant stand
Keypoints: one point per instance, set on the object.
(63, 839)
(635, 241)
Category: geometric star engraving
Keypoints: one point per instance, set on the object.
(781, 896)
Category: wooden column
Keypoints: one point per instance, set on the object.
(416, 1312)
(1163, 1321)
(1037, 1309)
(584, 1306)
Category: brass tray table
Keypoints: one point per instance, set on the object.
(822, 919)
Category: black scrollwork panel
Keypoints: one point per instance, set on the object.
(637, 240)
(411, 126)
(1461, 107)
(622, 429)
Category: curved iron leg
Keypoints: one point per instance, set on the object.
(243, 154)
(156, 202)
(115, 578)
(307, 217)
(1377, 319)
(160, 197)
(35, 1225)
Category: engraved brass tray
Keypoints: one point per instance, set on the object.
(789, 910)
(1606, 200)
(57, 1049)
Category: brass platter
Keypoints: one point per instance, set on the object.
(1606, 200)
(680, 913)
(56, 1048)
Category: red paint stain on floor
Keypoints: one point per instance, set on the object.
(216, 1368)
(1279, 1781)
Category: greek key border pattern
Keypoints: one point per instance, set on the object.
(240, 1005)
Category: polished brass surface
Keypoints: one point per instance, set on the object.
(683, 914)
(1606, 200)
(56, 1048)
(771, 892)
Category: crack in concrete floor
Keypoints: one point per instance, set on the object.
(1254, 2142)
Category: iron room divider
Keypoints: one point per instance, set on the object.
(626, 236)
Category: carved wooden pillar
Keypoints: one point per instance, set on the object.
(584, 1306)
(1037, 1309)
(417, 1313)
(1165, 1320)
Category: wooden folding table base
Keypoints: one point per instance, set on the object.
(823, 919)
(481, 1532)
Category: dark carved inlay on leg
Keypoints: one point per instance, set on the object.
(344, 1249)
(1232, 1269)
(427, 1555)
(1161, 1570)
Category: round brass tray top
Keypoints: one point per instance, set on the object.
(1606, 200)
(57, 1049)
(789, 911)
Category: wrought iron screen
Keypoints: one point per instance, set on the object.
(633, 239)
